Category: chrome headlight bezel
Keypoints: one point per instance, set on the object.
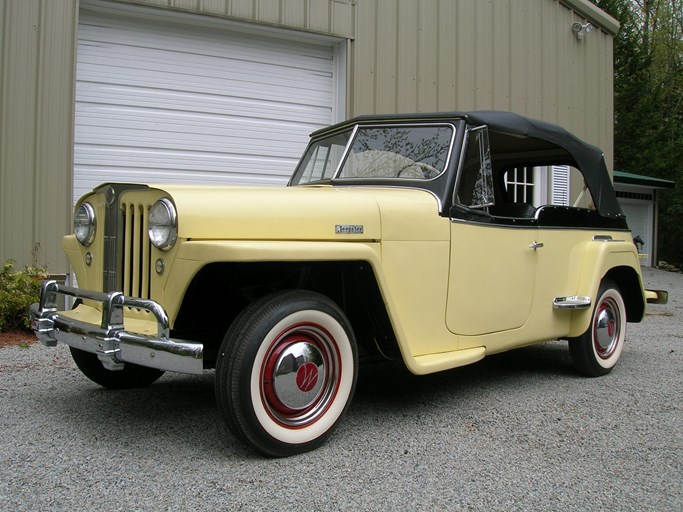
(85, 224)
(162, 220)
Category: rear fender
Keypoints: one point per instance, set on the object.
(616, 260)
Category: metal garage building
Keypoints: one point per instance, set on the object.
(638, 199)
(162, 97)
(227, 91)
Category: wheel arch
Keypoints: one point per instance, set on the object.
(630, 285)
(221, 290)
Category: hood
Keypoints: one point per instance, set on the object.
(270, 213)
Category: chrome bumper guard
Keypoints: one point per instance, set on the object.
(113, 345)
(657, 296)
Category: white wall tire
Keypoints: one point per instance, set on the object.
(286, 372)
(598, 350)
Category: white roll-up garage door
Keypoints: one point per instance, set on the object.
(183, 101)
(639, 218)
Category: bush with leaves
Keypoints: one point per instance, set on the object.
(18, 290)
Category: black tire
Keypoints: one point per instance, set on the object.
(286, 372)
(597, 350)
(132, 375)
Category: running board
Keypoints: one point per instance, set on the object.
(431, 363)
(574, 302)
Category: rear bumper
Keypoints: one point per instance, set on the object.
(112, 343)
(656, 296)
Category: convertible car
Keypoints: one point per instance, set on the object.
(434, 238)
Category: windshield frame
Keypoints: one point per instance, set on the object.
(354, 132)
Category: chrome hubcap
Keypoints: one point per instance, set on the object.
(606, 329)
(298, 375)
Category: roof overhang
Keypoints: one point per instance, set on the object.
(628, 178)
(595, 15)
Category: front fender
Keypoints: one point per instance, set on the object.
(193, 255)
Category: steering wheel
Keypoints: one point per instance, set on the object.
(426, 171)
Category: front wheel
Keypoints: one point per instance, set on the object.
(286, 372)
(131, 376)
(597, 350)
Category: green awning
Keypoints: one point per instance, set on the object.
(628, 178)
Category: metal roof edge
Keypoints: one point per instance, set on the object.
(593, 14)
(629, 178)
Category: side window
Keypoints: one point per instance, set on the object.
(475, 183)
(527, 189)
(520, 183)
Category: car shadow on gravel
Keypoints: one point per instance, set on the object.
(181, 411)
(177, 410)
(391, 382)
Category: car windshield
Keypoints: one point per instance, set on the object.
(322, 159)
(399, 152)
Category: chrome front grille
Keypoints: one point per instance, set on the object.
(135, 250)
(127, 250)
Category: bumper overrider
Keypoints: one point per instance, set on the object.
(113, 345)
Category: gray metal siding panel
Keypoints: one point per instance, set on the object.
(36, 86)
(482, 54)
(17, 133)
(332, 17)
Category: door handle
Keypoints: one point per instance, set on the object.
(536, 245)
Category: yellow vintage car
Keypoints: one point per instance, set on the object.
(435, 238)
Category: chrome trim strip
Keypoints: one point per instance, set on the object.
(113, 263)
(605, 238)
(110, 341)
(345, 154)
(573, 302)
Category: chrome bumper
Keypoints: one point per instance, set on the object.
(657, 296)
(110, 341)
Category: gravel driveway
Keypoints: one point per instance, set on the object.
(517, 431)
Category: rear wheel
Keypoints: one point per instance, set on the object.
(132, 375)
(286, 372)
(597, 350)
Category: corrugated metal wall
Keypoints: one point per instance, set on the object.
(330, 17)
(37, 60)
(519, 55)
(405, 55)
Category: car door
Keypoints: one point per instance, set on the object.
(492, 266)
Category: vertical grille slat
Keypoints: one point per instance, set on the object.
(136, 251)
(146, 261)
(134, 284)
(128, 222)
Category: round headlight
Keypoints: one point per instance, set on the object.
(84, 224)
(163, 224)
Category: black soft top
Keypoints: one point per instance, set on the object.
(528, 135)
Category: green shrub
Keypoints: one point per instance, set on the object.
(18, 290)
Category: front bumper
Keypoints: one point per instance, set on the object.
(112, 343)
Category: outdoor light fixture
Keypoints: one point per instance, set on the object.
(581, 29)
